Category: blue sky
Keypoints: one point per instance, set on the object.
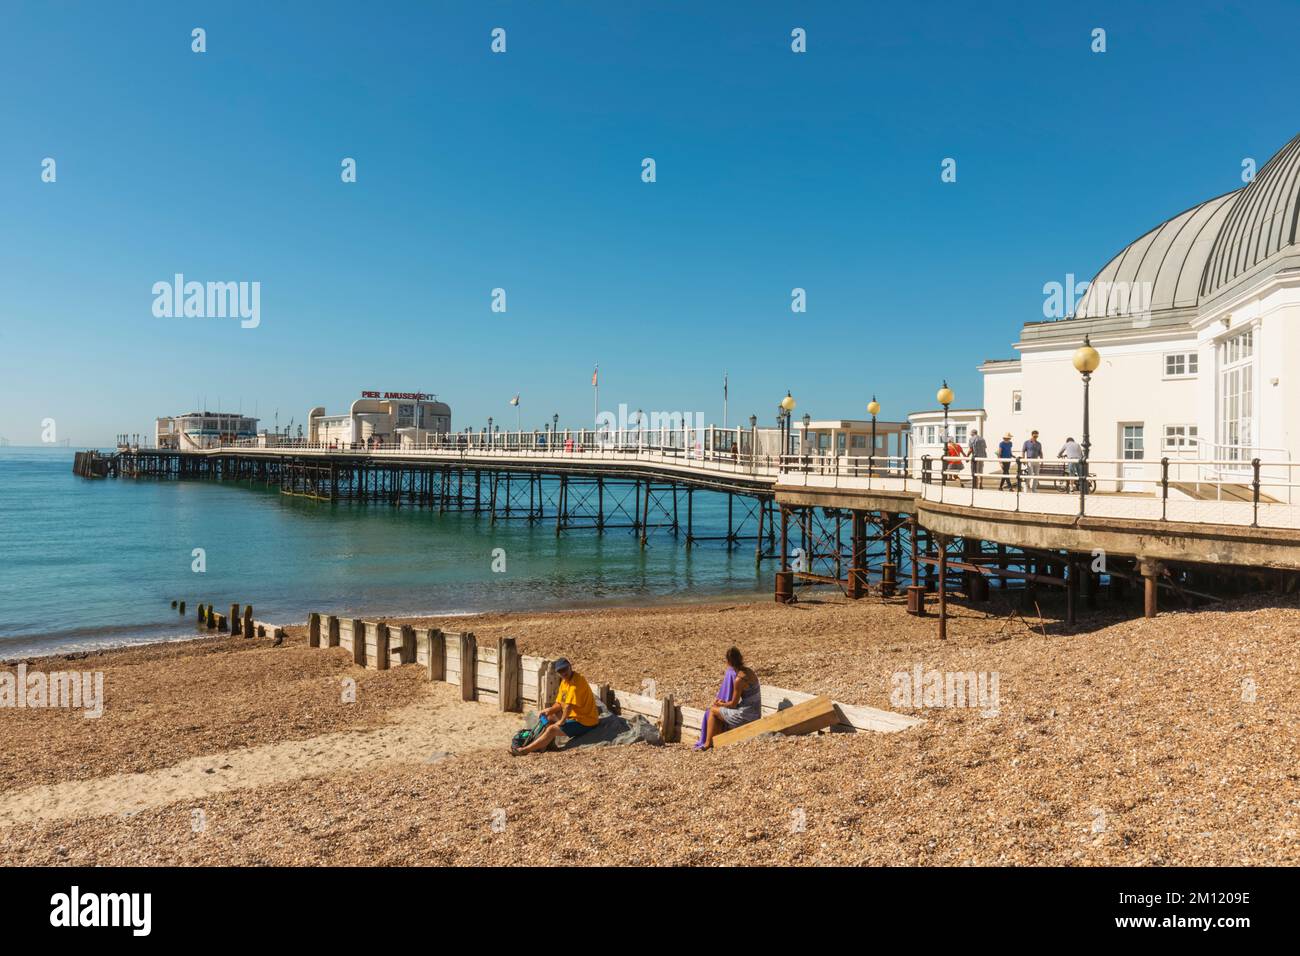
(522, 171)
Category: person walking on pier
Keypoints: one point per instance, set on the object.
(1004, 453)
(977, 450)
(1072, 454)
(1032, 452)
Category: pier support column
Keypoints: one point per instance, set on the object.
(784, 576)
(943, 587)
(1150, 570)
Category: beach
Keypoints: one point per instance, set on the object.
(1119, 740)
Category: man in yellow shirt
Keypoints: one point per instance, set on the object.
(573, 713)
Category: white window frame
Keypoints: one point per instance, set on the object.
(1189, 358)
(1124, 439)
(1182, 440)
(1017, 401)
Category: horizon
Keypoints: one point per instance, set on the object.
(522, 171)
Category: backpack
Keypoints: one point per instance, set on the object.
(528, 735)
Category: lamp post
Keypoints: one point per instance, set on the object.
(873, 409)
(787, 406)
(489, 431)
(944, 397)
(1086, 361)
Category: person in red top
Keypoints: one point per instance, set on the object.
(952, 460)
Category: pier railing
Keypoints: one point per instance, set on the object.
(1244, 493)
(706, 453)
(1173, 488)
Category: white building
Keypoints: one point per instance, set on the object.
(1198, 326)
(196, 430)
(384, 418)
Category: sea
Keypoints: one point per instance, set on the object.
(87, 564)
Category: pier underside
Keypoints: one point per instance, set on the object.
(882, 543)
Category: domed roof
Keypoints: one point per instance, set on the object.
(1262, 223)
(1162, 269)
(1190, 257)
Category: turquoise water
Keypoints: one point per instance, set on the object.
(87, 563)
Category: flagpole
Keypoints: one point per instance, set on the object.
(595, 395)
(724, 398)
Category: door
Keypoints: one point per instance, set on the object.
(1132, 453)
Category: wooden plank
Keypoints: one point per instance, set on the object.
(816, 714)
(468, 652)
(874, 719)
(690, 720)
(487, 655)
(509, 683)
(650, 707)
(435, 654)
(778, 698)
(377, 639)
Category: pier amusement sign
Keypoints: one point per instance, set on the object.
(400, 396)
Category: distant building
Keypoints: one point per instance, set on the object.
(195, 430)
(927, 430)
(383, 418)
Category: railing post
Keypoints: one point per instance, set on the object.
(1164, 486)
(925, 469)
(1254, 464)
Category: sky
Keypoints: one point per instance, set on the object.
(523, 171)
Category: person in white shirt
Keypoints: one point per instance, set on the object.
(1072, 454)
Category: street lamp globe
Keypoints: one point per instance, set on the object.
(944, 395)
(788, 402)
(873, 407)
(1086, 358)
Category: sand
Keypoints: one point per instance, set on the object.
(437, 727)
(1117, 741)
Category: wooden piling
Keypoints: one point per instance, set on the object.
(248, 621)
(943, 587)
(408, 644)
(435, 649)
(381, 646)
(313, 629)
(468, 666)
(234, 620)
(359, 643)
(548, 684)
(668, 724)
(332, 631)
(510, 691)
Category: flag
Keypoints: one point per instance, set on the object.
(515, 400)
(594, 373)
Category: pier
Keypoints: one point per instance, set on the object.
(888, 527)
